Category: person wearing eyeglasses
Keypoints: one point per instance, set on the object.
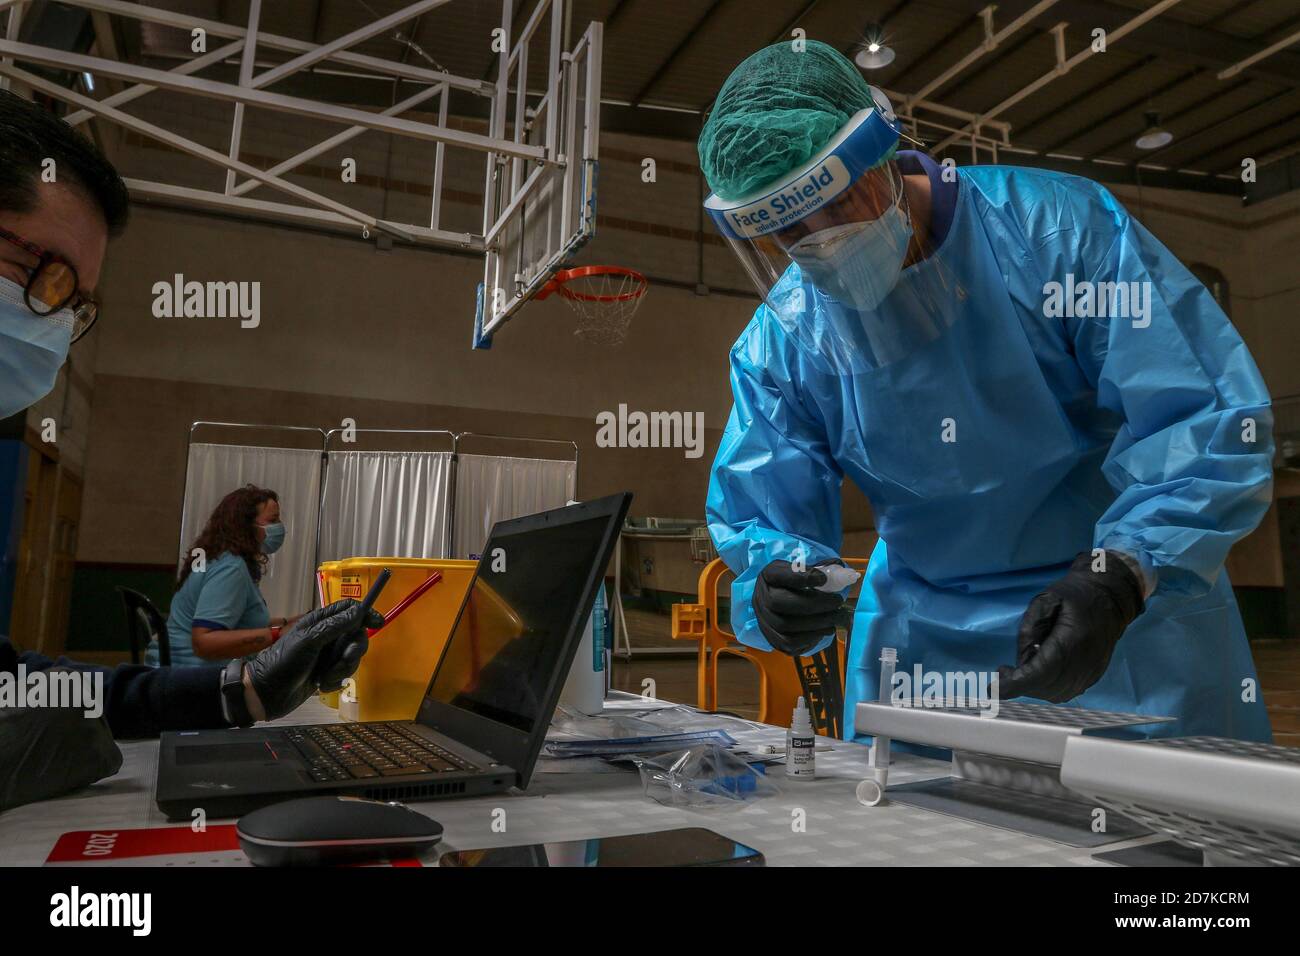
(46, 273)
(53, 237)
(51, 291)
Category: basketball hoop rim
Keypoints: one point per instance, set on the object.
(557, 284)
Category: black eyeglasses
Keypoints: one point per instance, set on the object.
(52, 287)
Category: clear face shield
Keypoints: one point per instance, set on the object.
(831, 251)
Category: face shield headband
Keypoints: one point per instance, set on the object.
(826, 250)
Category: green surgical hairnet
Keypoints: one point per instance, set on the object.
(776, 110)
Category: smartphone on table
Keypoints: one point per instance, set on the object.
(689, 846)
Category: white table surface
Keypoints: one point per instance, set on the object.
(837, 830)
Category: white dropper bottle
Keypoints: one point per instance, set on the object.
(801, 745)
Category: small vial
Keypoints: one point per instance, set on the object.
(880, 749)
(871, 792)
(801, 745)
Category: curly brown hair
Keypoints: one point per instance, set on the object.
(232, 529)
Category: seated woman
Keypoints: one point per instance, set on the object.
(218, 612)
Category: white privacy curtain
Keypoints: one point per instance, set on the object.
(492, 488)
(293, 474)
(385, 503)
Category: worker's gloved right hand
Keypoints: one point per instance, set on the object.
(792, 614)
(320, 651)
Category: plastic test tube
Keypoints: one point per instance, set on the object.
(871, 791)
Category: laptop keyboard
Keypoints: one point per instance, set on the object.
(361, 751)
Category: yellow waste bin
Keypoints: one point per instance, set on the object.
(393, 675)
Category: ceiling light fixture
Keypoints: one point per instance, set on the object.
(1155, 135)
(874, 53)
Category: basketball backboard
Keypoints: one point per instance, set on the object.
(537, 214)
(541, 95)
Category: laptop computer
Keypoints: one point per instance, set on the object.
(485, 713)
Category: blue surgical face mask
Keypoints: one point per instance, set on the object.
(857, 264)
(32, 349)
(274, 538)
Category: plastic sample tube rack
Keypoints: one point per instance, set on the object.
(1005, 765)
(1236, 801)
(1032, 732)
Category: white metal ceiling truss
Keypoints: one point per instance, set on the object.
(245, 40)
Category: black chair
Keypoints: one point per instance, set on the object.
(145, 624)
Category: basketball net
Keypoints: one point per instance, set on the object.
(603, 299)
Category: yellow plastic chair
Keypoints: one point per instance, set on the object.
(779, 687)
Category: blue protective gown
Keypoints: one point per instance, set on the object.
(1070, 434)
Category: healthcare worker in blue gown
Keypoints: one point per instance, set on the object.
(1059, 431)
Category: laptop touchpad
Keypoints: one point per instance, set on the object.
(223, 753)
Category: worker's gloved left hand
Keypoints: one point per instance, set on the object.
(319, 652)
(1069, 632)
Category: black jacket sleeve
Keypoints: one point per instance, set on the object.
(142, 701)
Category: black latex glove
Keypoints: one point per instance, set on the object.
(50, 751)
(320, 651)
(1070, 631)
(791, 613)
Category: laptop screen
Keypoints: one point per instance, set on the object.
(509, 638)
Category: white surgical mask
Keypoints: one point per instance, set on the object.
(32, 349)
(857, 264)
